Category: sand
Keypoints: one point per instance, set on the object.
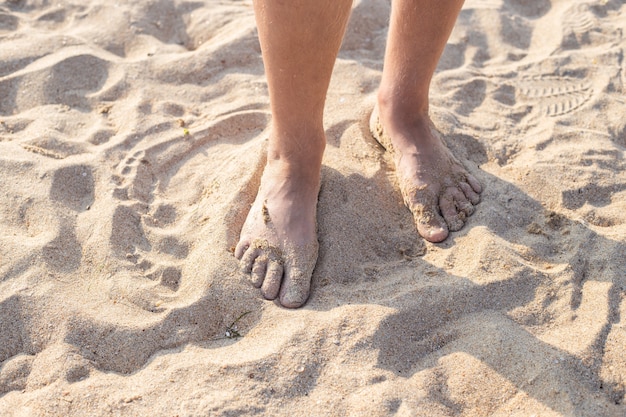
(131, 146)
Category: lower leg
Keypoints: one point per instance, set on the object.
(435, 186)
(300, 40)
(418, 33)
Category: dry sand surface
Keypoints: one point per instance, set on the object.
(131, 144)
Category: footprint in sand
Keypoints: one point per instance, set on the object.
(578, 20)
(591, 24)
(549, 95)
(554, 95)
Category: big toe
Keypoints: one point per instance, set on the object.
(430, 225)
(295, 289)
(296, 285)
(434, 233)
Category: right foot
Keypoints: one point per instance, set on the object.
(278, 243)
(437, 189)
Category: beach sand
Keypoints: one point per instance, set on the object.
(131, 145)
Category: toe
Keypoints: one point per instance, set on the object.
(247, 259)
(258, 271)
(430, 225)
(469, 192)
(473, 182)
(462, 204)
(241, 248)
(465, 207)
(273, 278)
(296, 287)
(453, 217)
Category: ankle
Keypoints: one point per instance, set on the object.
(295, 168)
(399, 109)
(300, 166)
(297, 147)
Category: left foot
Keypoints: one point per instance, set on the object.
(437, 189)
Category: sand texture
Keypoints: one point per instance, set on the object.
(131, 146)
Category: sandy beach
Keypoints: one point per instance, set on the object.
(132, 138)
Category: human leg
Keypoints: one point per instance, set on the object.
(435, 186)
(278, 245)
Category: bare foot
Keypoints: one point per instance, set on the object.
(437, 189)
(278, 243)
